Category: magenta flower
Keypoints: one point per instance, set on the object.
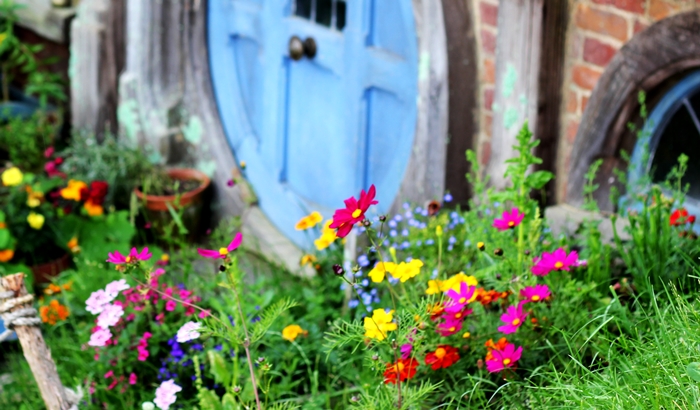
(222, 252)
(406, 350)
(170, 305)
(133, 256)
(509, 220)
(513, 318)
(535, 293)
(354, 212)
(458, 300)
(557, 260)
(458, 315)
(133, 378)
(504, 359)
(449, 327)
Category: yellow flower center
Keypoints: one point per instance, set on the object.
(452, 329)
(356, 213)
(515, 322)
(458, 315)
(128, 259)
(440, 353)
(511, 224)
(535, 298)
(559, 265)
(466, 335)
(400, 366)
(462, 300)
(506, 362)
(223, 251)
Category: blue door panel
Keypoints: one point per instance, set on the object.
(316, 131)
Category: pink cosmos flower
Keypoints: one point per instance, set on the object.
(222, 252)
(110, 316)
(504, 359)
(535, 293)
(449, 327)
(109, 374)
(458, 315)
(354, 212)
(114, 288)
(165, 394)
(100, 337)
(513, 318)
(188, 331)
(97, 301)
(557, 260)
(133, 256)
(133, 378)
(406, 350)
(458, 300)
(509, 220)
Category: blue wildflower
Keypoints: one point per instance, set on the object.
(406, 205)
(429, 241)
(404, 232)
(392, 224)
(452, 240)
(393, 233)
(363, 260)
(353, 303)
(447, 197)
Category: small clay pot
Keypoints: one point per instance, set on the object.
(46, 271)
(158, 202)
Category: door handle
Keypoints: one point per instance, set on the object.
(299, 48)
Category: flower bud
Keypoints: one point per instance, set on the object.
(222, 268)
(338, 270)
(498, 252)
(392, 252)
(481, 246)
(366, 223)
(354, 399)
(236, 389)
(382, 218)
(438, 231)
(355, 268)
(375, 357)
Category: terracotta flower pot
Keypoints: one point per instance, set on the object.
(158, 202)
(46, 271)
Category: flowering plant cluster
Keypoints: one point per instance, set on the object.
(39, 211)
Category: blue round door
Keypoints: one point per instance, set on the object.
(318, 97)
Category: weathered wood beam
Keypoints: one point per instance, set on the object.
(518, 48)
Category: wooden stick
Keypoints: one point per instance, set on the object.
(35, 351)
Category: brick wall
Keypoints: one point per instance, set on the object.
(597, 29)
(485, 14)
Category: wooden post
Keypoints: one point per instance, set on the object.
(35, 351)
(518, 48)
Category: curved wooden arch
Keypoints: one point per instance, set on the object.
(663, 50)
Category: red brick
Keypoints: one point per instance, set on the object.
(597, 52)
(660, 9)
(488, 42)
(489, 73)
(489, 14)
(635, 6)
(571, 129)
(639, 26)
(585, 77)
(485, 152)
(571, 102)
(488, 124)
(488, 98)
(600, 21)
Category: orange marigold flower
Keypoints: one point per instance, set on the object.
(6, 255)
(443, 357)
(490, 346)
(402, 370)
(52, 289)
(53, 313)
(93, 209)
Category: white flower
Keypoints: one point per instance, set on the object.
(100, 337)
(188, 331)
(165, 394)
(97, 301)
(113, 288)
(110, 316)
(148, 406)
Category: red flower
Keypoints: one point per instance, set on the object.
(354, 212)
(443, 357)
(680, 217)
(403, 369)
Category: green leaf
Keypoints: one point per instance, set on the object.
(693, 370)
(218, 368)
(4, 238)
(228, 402)
(538, 179)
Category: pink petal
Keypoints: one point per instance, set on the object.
(344, 230)
(500, 224)
(515, 356)
(207, 253)
(235, 243)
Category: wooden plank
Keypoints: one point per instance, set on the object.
(667, 48)
(518, 49)
(551, 81)
(463, 101)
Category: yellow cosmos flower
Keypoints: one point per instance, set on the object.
(439, 286)
(405, 271)
(12, 177)
(72, 191)
(6, 255)
(307, 260)
(328, 236)
(36, 221)
(380, 270)
(379, 324)
(291, 332)
(308, 221)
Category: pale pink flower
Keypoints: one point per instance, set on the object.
(97, 301)
(114, 288)
(100, 337)
(188, 331)
(110, 316)
(165, 394)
